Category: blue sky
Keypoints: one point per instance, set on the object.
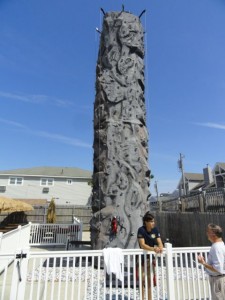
(48, 53)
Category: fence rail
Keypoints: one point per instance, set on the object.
(211, 200)
(13, 240)
(79, 275)
(82, 275)
(55, 234)
(40, 234)
(64, 215)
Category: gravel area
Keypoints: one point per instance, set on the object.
(78, 274)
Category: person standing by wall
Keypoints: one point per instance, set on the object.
(149, 239)
(215, 265)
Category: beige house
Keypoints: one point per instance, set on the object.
(201, 181)
(191, 180)
(66, 185)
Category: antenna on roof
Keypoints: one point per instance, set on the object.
(122, 7)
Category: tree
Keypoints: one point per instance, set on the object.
(51, 216)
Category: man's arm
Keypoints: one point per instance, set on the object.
(201, 260)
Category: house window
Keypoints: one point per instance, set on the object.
(15, 181)
(2, 189)
(69, 181)
(47, 181)
(45, 190)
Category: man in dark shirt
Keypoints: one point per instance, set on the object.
(149, 239)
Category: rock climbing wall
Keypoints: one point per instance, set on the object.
(121, 173)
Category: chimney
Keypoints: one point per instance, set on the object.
(208, 177)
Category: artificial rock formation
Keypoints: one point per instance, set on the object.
(121, 174)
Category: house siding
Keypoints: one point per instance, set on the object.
(77, 193)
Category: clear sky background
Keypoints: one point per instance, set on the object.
(48, 54)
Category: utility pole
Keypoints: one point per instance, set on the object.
(157, 195)
(156, 190)
(181, 167)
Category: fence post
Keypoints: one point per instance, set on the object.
(80, 232)
(30, 236)
(1, 235)
(19, 228)
(201, 202)
(19, 278)
(183, 204)
(169, 271)
(204, 201)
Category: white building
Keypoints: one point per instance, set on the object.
(66, 185)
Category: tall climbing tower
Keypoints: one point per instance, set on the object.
(121, 174)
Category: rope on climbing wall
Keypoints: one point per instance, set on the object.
(99, 116)
(147, 100)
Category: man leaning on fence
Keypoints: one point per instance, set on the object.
(149, 239)
(215, 265)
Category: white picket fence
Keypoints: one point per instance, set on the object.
(12, 241)
(54, 234)
(81, 275)
(38, 235)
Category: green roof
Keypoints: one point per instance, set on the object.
(50, 172)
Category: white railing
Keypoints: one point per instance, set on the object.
(14, 240)
(40, 234)
(37, 235)
(191, 282)
(54, 234)
(81, 275)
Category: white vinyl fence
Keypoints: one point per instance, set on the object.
(13, 240)
(54, 234)
(37, 235)
(81, 275)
